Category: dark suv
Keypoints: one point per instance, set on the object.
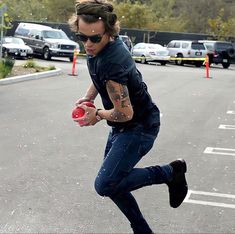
(220, 52)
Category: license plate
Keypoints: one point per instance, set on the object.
(23, 54)
(225, 60)
(198, 53)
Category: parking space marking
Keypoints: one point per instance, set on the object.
(231, 112)
(210, 203)
(221, 151)
(223, 126)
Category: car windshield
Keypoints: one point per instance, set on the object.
(13, 40)
(198, 46)
(54, 34)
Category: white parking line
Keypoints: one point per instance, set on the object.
(209, 203)
(231, 112)
(223, 126)
(221, 151)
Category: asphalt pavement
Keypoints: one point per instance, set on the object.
(48, 164)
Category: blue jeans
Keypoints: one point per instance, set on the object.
(117, 176)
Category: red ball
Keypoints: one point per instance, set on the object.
(78, 112)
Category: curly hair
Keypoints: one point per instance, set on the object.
(93, 10)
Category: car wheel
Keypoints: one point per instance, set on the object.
(179, 62)
(163, 63)
(46, 53)
(231, 53)
(71, 59)
(198, 64)
(143, 59)
(225, 65)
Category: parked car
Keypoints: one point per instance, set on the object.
(127, 41)
(220, 52)
(15, 48)
(46, 41)
(147, 52)
(189, 50)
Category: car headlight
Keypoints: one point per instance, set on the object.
(13, 50)
(30, 51)
(77, 46)
(54, 46)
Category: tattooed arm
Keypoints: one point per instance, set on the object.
(119, 96)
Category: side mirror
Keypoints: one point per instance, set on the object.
(37, 37)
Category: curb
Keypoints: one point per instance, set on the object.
(34, 76)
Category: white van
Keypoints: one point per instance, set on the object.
(46, 41)
(187, 49)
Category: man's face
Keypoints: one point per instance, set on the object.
(92, 29)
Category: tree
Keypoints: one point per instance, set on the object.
(59, 11)
(134, 15)
(220, 28)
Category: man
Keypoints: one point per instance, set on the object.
(128, 109)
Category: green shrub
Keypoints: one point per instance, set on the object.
(6, 66)
(30, 64)
(51, 67)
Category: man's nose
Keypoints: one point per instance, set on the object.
(88, 42)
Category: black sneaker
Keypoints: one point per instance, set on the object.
(178, 187)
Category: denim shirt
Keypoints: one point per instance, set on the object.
(115, 63)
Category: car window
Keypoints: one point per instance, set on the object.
(22, 32)
(177, 45)
(35, 32)
(198, 46)
(170, 45)
(223, 46)
(54, 34)
(151, 46)
(14, 40)
(209, 46)
(185, 45)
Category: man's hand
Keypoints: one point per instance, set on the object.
(89, 118)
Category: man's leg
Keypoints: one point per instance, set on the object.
(129, 207)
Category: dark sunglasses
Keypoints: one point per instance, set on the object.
(94, 39)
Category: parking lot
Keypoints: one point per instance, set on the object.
(48, 164)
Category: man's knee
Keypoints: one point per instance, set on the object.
(104, 187)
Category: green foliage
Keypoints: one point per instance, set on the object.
(6, 66)
(30, 64)
(221, 28)
(134, 15)
(51, 67)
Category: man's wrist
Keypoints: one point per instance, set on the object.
(98, 117)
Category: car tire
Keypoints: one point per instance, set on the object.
(71, 59)
(198, 64)
(143, 60)
(179, 62)
(231, 52)
(163, 63)
(46, 53)
(226, 65)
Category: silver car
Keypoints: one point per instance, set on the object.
(147, 52)
(15, 48)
